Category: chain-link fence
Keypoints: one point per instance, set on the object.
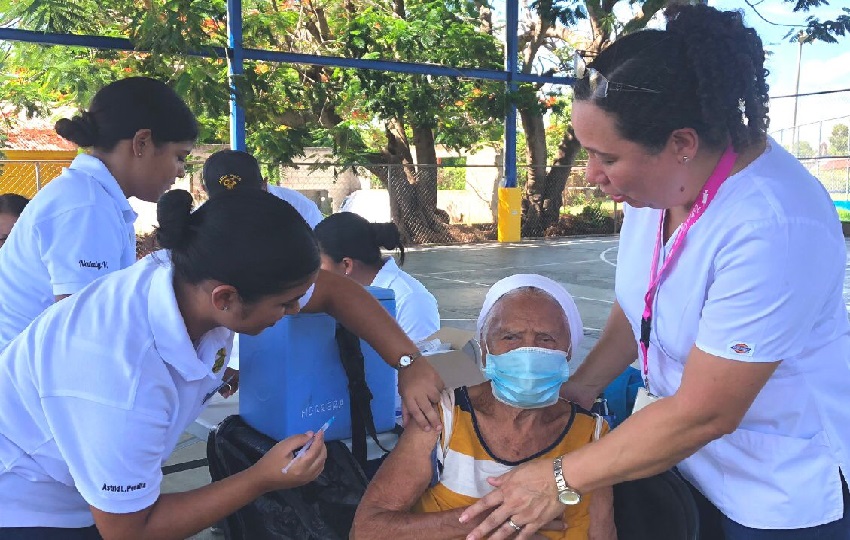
(451, 202)
(816, 131)
(26, 177)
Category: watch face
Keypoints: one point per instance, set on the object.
(404, 361)
(569, 496)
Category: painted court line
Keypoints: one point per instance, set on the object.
(434, 274)
(604, 257)
(453, 280)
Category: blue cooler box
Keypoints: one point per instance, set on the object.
(291, 379)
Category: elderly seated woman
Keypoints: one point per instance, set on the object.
(528, 328)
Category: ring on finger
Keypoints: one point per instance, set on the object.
(516, 527)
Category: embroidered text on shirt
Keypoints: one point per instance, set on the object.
(123, 489)
(100, 265)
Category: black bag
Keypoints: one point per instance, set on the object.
(321, 510)
(660, 507)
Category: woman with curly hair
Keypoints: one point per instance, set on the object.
(729, 293)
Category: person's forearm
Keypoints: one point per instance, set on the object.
(180, 515)
(612, 354)
(409, 526)
(650, 441)
(602, 525)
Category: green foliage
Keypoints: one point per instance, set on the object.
(816, 30)
(452, 173)
(287, 106)
(804, 149)
(463, 112)
(839, 145)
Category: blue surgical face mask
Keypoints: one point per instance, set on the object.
(528, 377)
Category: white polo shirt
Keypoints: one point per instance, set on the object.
(307, 208)
(75, 230)
(415, 307)
(759, 279)
(94, 396)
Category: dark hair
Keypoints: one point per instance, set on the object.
(248, 239)
(228, 170)
(120, 109)
(347, 234)
(12, 203)
(707, 73)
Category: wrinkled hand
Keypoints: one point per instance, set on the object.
(527, 495)
(420, 387)
(232, 376)
(304, 470)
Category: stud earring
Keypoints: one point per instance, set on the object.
(685, 159)
(225, 308)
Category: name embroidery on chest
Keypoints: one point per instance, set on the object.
(93, 264)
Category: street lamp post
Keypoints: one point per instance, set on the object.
(802, 37)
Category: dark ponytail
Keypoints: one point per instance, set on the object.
(347, 234)
(705, 72)
(249, 239)
(120, 109)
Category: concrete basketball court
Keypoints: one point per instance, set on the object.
(459, 277)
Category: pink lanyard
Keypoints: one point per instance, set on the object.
(718, 176)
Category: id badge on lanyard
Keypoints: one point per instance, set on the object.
(712, 186)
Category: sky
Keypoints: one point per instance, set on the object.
(824, 66)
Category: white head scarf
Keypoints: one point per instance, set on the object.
(553, 288)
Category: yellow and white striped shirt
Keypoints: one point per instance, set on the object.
(467, 463)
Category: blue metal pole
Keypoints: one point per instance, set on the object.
(235, 69)
(104, 42)
(511, 54)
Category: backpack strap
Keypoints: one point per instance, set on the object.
(360, 397)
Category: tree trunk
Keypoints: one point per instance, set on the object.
(534, 200)
(426, 154)
(544, 192)
(412, 188)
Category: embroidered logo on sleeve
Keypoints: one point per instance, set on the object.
(741, 348)
(220, 357)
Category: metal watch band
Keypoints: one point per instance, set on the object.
(560, 481)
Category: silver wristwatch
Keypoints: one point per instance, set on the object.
(566, 494)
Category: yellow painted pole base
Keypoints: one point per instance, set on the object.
(509, 214)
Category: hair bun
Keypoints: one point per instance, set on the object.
(80, 130)
(174, 211)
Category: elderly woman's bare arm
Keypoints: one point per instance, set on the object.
(601, 509)
(384, 511)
